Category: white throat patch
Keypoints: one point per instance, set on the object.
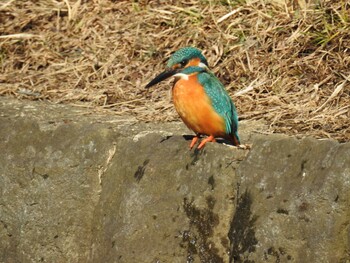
(202, 65)
(181, 75)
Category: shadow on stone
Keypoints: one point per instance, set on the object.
(141, 171)
(165, 139)
(196, 239)
(188, 137)
(242, 234)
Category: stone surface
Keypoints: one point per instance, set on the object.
(82, 186)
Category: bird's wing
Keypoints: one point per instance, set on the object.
(221, 101)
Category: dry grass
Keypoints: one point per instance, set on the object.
(286, 63)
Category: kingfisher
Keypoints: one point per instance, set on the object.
(200, 98)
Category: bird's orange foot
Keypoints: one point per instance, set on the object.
(204, 141)
(194, 141)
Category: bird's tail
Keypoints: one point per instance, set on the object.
(236, 140)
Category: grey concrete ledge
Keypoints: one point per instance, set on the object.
(77, 186)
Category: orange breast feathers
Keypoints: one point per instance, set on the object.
(195, 109)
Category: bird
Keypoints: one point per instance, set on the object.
(200, 99)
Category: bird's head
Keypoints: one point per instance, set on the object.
(181, 63)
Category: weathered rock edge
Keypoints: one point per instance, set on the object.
(77, 186)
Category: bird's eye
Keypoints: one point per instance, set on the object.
(183, 62)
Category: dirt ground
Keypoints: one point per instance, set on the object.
(284, 62)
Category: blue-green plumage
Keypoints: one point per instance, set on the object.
(185, 54)
(221, 101)
(192, 69)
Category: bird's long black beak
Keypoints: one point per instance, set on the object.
(162, 76)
